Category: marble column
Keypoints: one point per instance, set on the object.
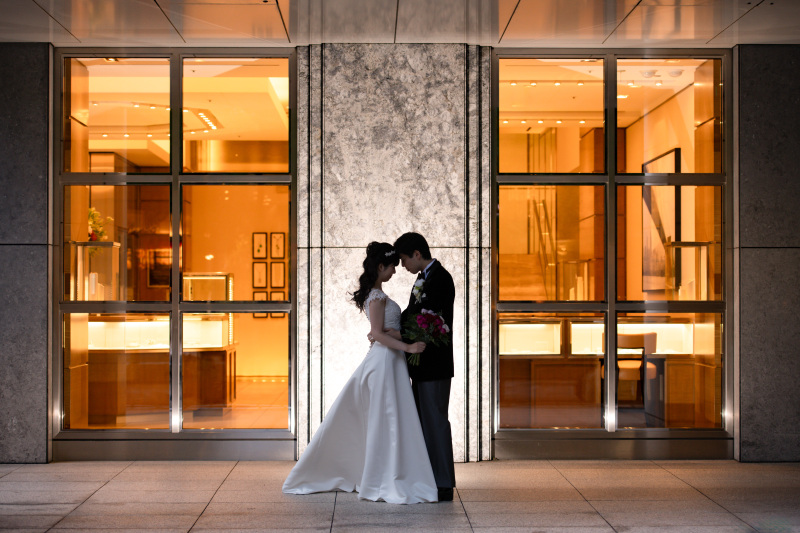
(397, 140)
(25, 90)
(768, 252)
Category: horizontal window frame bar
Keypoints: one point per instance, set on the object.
(551, 179)
(168, 53)
(619, 434)
(234, 179)
(618, 53)
(619, 179)
(166, 434)
(220, 306)
(551, 307)
(620, 307)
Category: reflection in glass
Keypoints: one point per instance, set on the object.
(669, 242)
(117, 242)
(116, 115)
(552, 242)
(669, 370)
(236, 115)
(670, 111)
(550, 370)
(235, 370)
(116, 371)
(222, 227)
(551, 116)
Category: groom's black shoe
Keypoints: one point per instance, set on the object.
(445, 495)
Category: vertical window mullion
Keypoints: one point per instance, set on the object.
(609, 399)
(176, 155)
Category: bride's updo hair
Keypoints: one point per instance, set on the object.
(378, 253)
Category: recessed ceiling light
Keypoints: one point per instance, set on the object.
(557, 83)
(205, 131)
(105, 135)
(580, 83)
(583, 122)
(541, 122)
(192, 132)
(558, 122)
(149, 134)
(185, 110)
(513, 83)
(505, 122)
(126, 135)
(522, 122)
(533, 84)
(658, 84)
(135, 105)
(622, 96)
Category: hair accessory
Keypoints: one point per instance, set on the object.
(389, 253)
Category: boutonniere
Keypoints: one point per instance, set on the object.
(417, 290)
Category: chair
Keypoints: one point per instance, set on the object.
(632, 366)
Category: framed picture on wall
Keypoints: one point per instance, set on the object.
(259, 296)
(259, 245)
(277, 296)
(260, 275)
(277, 246)
(277, 275)
(159, 267)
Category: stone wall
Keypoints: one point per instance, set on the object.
(769, 252)
(24, 250)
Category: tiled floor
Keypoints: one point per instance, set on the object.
(504, 496)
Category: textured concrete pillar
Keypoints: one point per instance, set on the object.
(769, 252)
(24, 209)
(396, 141)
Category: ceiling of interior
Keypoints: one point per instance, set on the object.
(499, 23)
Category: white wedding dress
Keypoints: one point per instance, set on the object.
(371, 440)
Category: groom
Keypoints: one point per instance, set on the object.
(430, 381)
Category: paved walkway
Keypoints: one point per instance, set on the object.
(506, 496)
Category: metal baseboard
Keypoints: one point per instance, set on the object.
(173, 450)
(652, 449)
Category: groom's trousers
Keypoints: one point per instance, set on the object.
(433, 400)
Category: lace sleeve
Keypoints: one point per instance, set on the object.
(374, 294)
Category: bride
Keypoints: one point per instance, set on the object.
(371, 440)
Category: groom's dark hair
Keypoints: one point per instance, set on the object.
(408, 242)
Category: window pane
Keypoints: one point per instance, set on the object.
(552, 242)
(235, 241)
(117, 242)
(551, 116)
(116, 115)
(235, 370)
(670, 370)
(550, 370)
(236, 115)
(116, 371)
(670, 111)
(669, 242)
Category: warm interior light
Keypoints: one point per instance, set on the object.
(557, 83)
(622, 96)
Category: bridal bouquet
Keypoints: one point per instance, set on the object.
(427, 327)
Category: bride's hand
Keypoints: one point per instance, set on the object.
(370, 338)
(417, 347)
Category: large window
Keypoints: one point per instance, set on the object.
(611, 274)
(176, 257)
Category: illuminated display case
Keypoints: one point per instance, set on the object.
(95, 270)
(211, 286)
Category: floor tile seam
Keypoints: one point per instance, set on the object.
(235, 464)
(582, 495)
(709, 498)
(90, 495)
(466, 514)
(333, 513)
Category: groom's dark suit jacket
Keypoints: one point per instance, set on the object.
(436, 362)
